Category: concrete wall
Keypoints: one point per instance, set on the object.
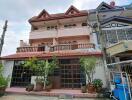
(8, 69)
(99, 72)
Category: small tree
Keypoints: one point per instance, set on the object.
(46, 68)
(42, 67)
(88, 65)
(32, 64)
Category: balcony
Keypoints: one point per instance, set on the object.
(39, 34)
(71, 47)
(31, 49)
(62, 32)
(56, 47)
(123, 47)
(78, 31)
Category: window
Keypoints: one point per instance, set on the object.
(84, 24)
(112, 36)
(121, 35)
(129, 34)
(51, 27)
(69, 25)
(35, 28)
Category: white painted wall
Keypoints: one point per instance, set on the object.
(99, 72)
(8, 68)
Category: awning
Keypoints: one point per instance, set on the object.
(47, 55)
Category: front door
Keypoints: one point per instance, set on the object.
(70, 76)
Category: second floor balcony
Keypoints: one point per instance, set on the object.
(62, 32)
(59, 47)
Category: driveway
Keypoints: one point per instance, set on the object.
(31, 97)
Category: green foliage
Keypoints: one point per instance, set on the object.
(88, 65)
(32, 63)
(42, 67)
(3, 80)
(97, 83)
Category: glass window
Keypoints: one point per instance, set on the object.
(112, 37)
(84, 24)
(121, 35)
(129, 34)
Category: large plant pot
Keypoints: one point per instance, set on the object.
(91, 88)
(30, 87)
(39, 86)
(98, 89)
(83, 89)
(2, 90)
(48, 87)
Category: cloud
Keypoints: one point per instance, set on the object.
(93, 4)
(12, 41)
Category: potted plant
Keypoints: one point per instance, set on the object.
(3, 81)
(30, 87)
(46, 68)
(42, 68)
(39, 84)
(83, 88)
(32, 63)
(98, 84)
(48, 86)
(88, 66)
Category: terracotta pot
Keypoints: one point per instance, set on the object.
(30, 87)
(98, 89)
(91, 88)
(39, 86)
(2, 90)
(48, 87)
(83, 89)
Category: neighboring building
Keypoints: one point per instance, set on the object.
(68, 36)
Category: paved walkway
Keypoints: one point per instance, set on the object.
(53, 92)
(30, 97)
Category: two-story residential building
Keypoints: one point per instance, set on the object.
(68, 36)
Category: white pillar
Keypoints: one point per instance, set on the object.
(93, 39)
(54, 41)
(8, 69)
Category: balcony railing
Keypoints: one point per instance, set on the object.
(31, 49)
(71, 47)
(62, 32)
(56, 47)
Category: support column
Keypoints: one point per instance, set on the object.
(55, 42)
(93, 39)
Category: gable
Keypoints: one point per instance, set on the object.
(72, 10)
(104, 6)
(44, 14)
(114, 24)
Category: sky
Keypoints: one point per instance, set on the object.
(17, 12)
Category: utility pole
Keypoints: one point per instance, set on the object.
(3, 36)
(102, 43)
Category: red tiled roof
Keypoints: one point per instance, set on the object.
(59, 15)
(44, 55)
